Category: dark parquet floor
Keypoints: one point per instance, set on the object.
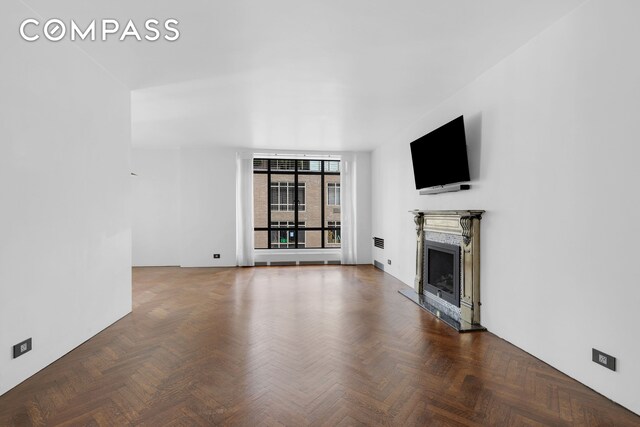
(295, 346)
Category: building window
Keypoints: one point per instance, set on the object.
(296, 203)
(283, 196)
(333, 194)
(283, 235)
(333, 233)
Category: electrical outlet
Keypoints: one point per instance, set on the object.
(21, 348)
(216, 256)
(389, 261)
(603, 359)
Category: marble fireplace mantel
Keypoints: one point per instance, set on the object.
(463, 226)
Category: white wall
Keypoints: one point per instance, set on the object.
(184, 209)
(65, 245)
(208, 206)
(156, 206)
(184, 206)
(552, 134)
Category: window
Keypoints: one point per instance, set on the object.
(283, 196)
(333, 194)
(333, 233)
(296, 203)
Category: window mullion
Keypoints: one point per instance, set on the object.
(269, 204)
(295, 204)
(322, 202)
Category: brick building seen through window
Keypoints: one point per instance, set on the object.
(296, 203)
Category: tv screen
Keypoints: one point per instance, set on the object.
(440, 157)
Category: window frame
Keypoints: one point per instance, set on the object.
(296, 172)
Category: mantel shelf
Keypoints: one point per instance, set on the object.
(460, 213)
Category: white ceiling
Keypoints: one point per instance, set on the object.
(302, 75)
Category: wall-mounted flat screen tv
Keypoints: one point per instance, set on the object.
(440, 157)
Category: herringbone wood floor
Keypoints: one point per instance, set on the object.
(326, 345)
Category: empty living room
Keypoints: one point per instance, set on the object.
(319, 213)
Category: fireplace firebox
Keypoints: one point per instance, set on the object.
(442, 271)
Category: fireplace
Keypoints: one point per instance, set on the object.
(447, 282)
(442, 271)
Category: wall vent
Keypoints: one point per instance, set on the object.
(335, 262)
(261, 263)
(310, 262)
(282, 263)
(378, 264)
(378, 242)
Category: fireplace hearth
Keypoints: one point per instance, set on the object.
(447, 282)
